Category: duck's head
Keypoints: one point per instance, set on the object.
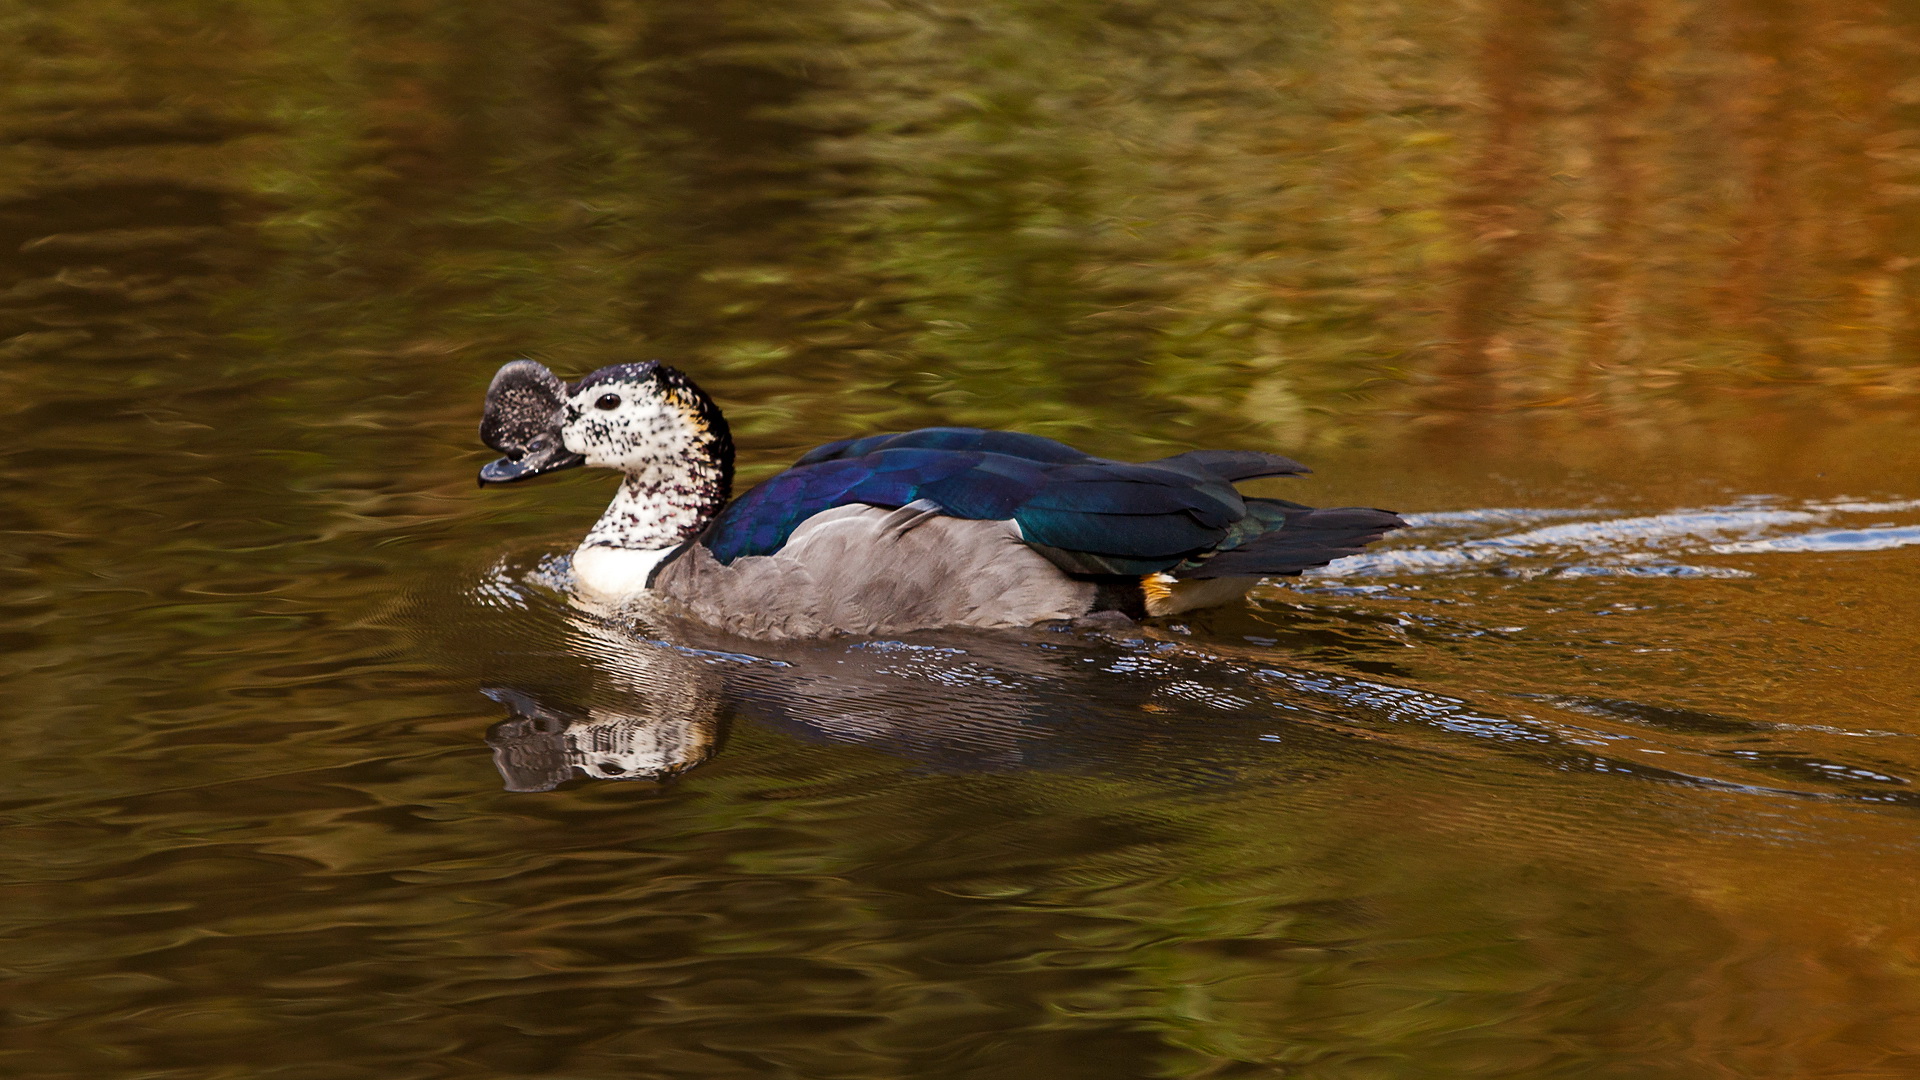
(641, 419)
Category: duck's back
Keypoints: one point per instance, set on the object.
(863, 569)
(1090, 515)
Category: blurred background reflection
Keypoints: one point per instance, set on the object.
(1604, 769)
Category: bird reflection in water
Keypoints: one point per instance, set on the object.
(662, 693)
(649, 697)
(1125, 696)
(665, 715)
(539, 747)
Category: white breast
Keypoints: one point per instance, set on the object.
(614, 574)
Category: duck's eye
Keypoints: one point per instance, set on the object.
(608, 401)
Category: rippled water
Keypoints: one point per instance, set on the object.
(1604, 768)
(1594, 771)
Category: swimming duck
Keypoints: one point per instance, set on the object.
(898, 532)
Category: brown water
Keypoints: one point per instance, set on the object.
(1604, 769)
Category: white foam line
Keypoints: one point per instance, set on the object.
(1879, 539)
(1846, 506)
(1653, 527)
(1612, 535)
(1500, 516)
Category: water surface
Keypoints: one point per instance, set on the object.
(1604, 768)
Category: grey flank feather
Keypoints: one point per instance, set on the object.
(907, 518)
(867, 570)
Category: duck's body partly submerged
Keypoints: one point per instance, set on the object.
(882, 535)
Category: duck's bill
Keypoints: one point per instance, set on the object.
(532, 464)
(522, 421)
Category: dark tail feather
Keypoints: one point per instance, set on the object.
(1309, 538)
(1233, 465)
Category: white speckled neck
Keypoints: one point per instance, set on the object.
(678, 468)
(652, 512)
(675, 452)
(663, 503)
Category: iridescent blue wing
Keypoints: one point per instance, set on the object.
(1088, 505)
(1089, 515)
